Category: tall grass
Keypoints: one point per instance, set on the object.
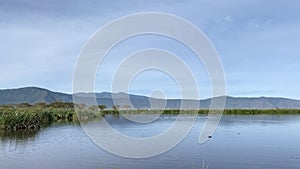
(32, 117)
(261, 111)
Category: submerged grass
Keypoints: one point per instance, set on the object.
(24, 118)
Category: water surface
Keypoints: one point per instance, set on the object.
(240, 142)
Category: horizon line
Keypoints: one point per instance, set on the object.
(136, 94)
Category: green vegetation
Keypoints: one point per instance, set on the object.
(225, 112)
(261, 111)
(102, 107)
(33, 118)
(24, 117)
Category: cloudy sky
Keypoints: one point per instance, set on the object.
(257, 41)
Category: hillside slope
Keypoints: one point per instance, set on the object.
(34, 94)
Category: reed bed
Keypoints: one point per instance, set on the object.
(25, 117)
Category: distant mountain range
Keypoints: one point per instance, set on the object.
(33, 95)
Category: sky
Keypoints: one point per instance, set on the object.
(257, 42)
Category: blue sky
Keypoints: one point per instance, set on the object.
(257, 41)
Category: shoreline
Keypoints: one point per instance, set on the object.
(34, 118)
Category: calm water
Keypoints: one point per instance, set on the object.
(240, 142)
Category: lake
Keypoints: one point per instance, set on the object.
(240, 142)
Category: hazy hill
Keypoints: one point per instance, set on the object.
(33, 95)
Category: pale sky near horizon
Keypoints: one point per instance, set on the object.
(257, 41)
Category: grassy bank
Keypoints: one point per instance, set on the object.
(227, 111)
(28, 117)
(261, 111)
(33, 118)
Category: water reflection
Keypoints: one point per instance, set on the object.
(244, 142)
(18, 135)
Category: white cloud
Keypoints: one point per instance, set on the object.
(40, 43)
(228, 19)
